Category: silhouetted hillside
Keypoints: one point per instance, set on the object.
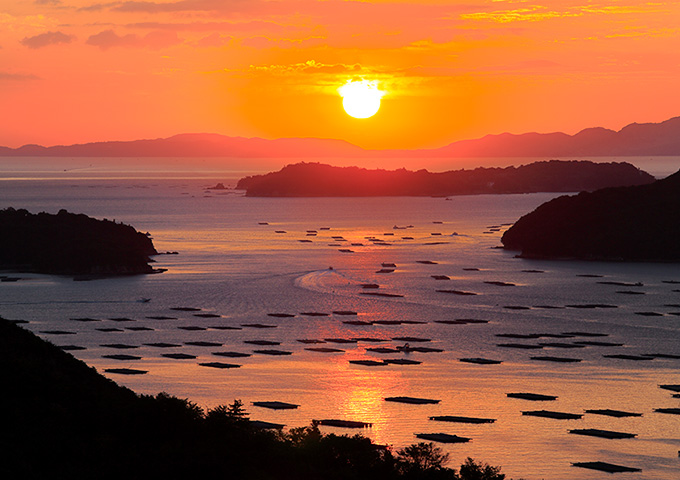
(640, 223)
(633, 140)
(318, 180)
(71, 244)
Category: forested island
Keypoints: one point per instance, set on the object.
(639, 223)
(71, 244)
(64, 420)
(319, 180)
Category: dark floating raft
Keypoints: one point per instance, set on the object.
(207, 315)
(412, 339)
(84, 319)
(109, 329)
(263, 343)
(342, 423)
(595, 343)
(185, 309)
(628, 357)
(556, 359)
(440, 277)
(421, 350)
(179, 356)
(340, 340)
(358, 322)
(586, 334)
(192, 328)
(455, 419)
(257, 325)
(456, 292)
(122, 357)
(382, 350)
(203, 344)
(401, 361)
(344, 312)
(499, 284)
(161, 317)
(672, 388)
(670, 411)
(481, 361)
(594, 432)
(162, 345)
(412, 400)
(381, 294)
(442, 437)
(57, 332)
(68, 348)
(368, 363)
(523, 346)
(555, 415)
(614, 413)
(231, 354)
(605, 467)
(531, 396)
(324, 350)
(273, 352)
(519, 335)
(126, 371)
(219, 365)
(276, 405)
(119, 346)
(310, 340)
(562, 345)
(281, 315)
(426, 262)
(139, 329)
(661, 355)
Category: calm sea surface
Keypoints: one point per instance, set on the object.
(232, 263)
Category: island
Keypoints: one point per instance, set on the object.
(320, 180)
(638, 223)
(71, 244)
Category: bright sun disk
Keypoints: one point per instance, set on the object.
(361, 99)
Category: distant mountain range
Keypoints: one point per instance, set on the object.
(636, 139)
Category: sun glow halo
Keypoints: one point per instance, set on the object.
(361, 99)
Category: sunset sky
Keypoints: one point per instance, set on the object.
(75, 71)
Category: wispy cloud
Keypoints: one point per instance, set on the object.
(47, 38)
(156, 40)
(19, 77)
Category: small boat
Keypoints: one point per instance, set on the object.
(144, 300)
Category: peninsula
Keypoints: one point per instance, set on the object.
(319, 180)
(637, 223)
(71, 244)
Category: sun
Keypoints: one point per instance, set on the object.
(361, 99)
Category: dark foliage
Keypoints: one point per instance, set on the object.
(640, 223)
(68, 243)
(318, 180)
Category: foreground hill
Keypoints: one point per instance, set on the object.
(318, 180)
(71, 244)
(639, 223)
(61, 419)
(655, 139)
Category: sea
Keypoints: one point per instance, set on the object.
(594, 335)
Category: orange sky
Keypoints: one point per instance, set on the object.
(74, 71)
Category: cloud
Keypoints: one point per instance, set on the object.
(20, 77)
(45, 39)
(310, 66)
(155, 40)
